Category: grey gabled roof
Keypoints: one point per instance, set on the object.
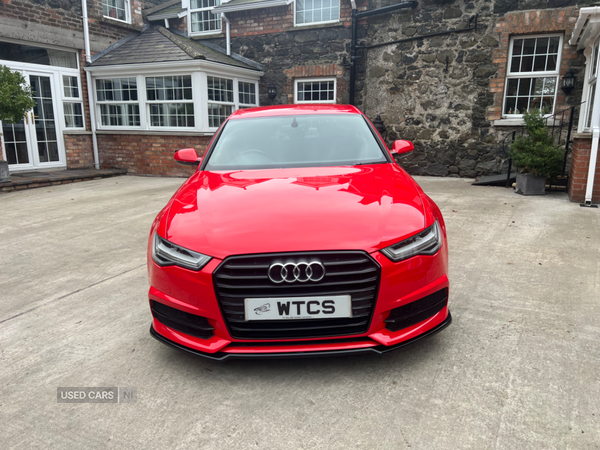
(157, 44)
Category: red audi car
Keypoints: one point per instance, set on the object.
(297, 235)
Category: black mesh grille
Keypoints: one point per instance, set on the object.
(417, 311)
(347, 273)
(179, 320)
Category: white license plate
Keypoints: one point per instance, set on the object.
(286, 308)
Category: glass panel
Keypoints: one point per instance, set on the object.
(115, 9)
(591, 105)
(524, 94)
(509, 105)
(518, 46)
(314, 11)
(528, 46)
(247, 93)
(172, 115)
(37, 55)
(553, 45)
(15, 143)
(45, 126)
(315, 91)
(70, 86)
(73, 115)
(541, 46)
(42, 152)
(512, 86)
(217, 114)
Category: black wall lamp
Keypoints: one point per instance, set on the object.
(568, 82)
(272, 91)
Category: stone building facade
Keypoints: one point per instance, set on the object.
(446, 81)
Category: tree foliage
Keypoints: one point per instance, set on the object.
(535, 151)
(15, 96)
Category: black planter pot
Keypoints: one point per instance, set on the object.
(528, 184)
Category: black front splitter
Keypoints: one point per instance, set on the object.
(220, 356)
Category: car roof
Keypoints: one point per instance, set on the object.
(290, 110)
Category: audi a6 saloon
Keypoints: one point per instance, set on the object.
(298, 234)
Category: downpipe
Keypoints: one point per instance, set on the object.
(227, 33)
(88, 60)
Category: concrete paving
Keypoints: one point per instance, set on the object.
(518, 368)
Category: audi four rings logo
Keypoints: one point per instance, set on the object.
(291, 272)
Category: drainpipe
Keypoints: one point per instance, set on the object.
(594, 151)
(353, 54)
(227, 33)
(93, 119)
(88, 59)
(86, 32)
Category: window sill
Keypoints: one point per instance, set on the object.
(520, 122)
(120, 23)
(157, 133)
(315, 26)
(69, 131)
(198, 37)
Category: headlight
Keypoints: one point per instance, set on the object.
(165, 253)
(427, 242)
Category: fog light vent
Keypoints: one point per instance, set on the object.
(417, 311)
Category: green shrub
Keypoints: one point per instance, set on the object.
(15, 96)
(535, 151)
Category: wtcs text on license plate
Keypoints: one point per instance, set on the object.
(285, 308)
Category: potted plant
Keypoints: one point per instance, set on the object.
(536, 156)
(15, 101)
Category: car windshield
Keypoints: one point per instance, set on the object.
(315, 140)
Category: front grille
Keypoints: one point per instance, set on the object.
(417, 311)
(347, 273)
(179, 320)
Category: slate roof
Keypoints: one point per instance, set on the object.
(159, 9)
(157, 44)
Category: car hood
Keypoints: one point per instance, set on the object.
(301, 209)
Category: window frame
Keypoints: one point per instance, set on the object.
(591, 80)
(72, 100)
(304, 80)
(322, 22)
(99, 103)
(540, 74)
(127, 8)
(196, 10)
(199, 98)
(149, 103)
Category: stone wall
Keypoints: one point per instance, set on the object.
(148, 153)
(269, 37)
(443, 92)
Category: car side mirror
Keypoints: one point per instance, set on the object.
(187, 156)
(402, 146)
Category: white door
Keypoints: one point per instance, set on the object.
(36, 141)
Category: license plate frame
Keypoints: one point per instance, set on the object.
(303, 308)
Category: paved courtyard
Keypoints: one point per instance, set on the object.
(518, 369)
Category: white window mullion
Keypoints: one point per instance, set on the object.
(203, 111)
(141, 82)
(197, 98)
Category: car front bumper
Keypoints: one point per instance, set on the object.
(304, 350)
(401, 285)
